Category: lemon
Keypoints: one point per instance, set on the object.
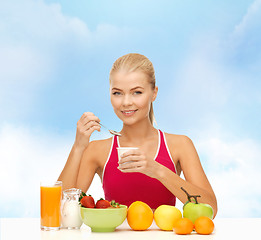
(165, 217)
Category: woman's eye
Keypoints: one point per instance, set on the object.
(137, 92)
(116, 93)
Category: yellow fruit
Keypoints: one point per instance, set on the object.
(165, 217)
(139, 216)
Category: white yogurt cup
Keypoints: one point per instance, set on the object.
(122, 150)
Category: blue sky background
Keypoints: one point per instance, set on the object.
(55, 58)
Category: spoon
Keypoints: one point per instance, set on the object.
(111, 131)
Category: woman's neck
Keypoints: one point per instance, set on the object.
(138, 132)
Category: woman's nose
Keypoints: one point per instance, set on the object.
(127, 100)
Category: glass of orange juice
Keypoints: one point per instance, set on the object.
(51, 194)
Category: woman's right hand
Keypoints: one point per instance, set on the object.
(86, 125)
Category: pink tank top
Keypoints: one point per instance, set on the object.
(126, 188)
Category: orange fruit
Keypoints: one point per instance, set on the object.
(183, 226)
(165, 217)
(204, 225)
(139, 216)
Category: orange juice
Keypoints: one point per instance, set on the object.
(50, 206)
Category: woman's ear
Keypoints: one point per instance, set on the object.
(155, 92)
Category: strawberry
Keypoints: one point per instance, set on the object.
(87, 201)
(102, 203)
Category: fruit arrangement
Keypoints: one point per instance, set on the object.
(196, 216)
(193, 210)
(88, 202)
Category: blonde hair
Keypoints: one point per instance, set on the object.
(136, 62)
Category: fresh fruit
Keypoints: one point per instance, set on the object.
(194, 210)
(139, 216)
(87, 201)
(114, 204)
(204, 225)
(183, 226)
(165, 217)
(102, 203)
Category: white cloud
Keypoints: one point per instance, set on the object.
(244, 42)
(208, 92)
(203, 87)
(233, 168)
(28, 156)
(202, 80)
(251, 19)
(29, 21)
(22, 70)
(219, 75)
(218, 69)
(31, 34)
(35, 40)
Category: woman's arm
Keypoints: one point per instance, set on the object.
(70, 171)
(87, 124)
(196, 182)
(88, 167)
(92, 162)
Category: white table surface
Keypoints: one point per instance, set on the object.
(225, 228)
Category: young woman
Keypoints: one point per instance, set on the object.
(150, 173)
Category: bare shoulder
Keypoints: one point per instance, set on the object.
(98, 149)
(179, 145)
(178, 140)
(100, 144)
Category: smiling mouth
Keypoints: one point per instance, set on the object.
(129, 112)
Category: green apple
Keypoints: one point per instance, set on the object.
(193, 210)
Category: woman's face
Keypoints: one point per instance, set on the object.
(131, 96)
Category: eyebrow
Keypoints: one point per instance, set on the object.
(131, 89)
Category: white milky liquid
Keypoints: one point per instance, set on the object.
(71, 215)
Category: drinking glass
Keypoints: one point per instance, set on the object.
(51, 194)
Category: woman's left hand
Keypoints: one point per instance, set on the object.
(136, 161)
